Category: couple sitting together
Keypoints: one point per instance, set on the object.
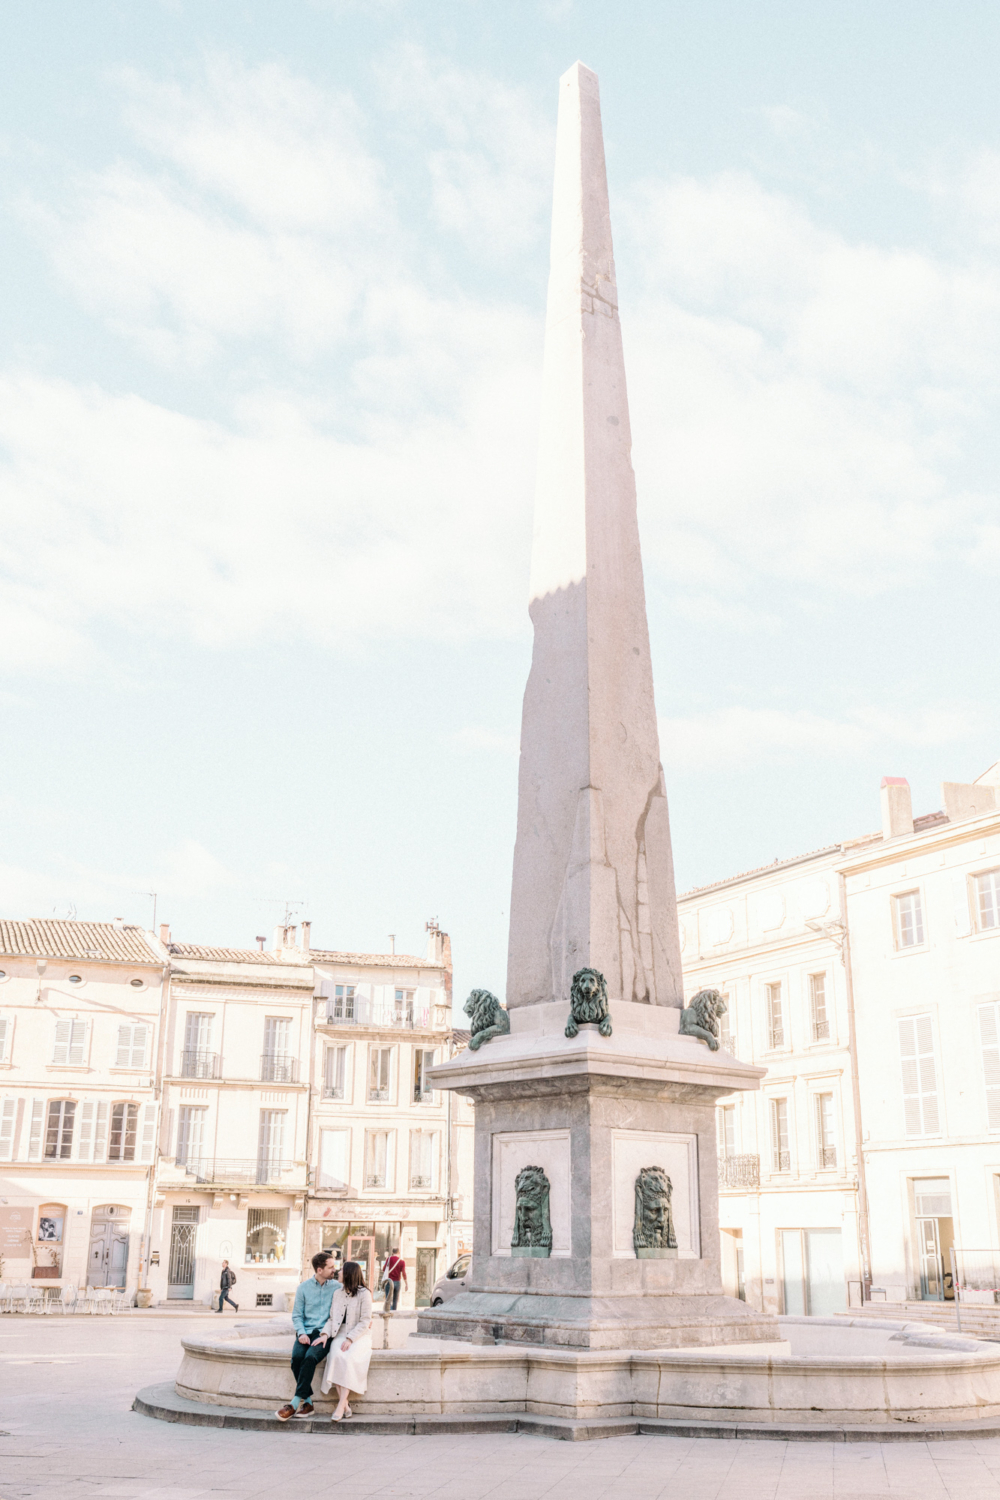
(333, 1322)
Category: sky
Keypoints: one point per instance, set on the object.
(272, 285)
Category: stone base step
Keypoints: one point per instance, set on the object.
(163, 1403)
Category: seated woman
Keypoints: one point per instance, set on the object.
(350, 1333)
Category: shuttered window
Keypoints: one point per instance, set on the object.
(71, 1042)
(131, 1046)
(8, 1114)
(148, 1132)
(85, 1134)
(989, 1036)
(988, 900)
(36, 1130)
(916, 1053)
(5, 1031)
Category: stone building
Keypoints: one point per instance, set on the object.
(392, 1156)
(80, 1008)
(866, 978)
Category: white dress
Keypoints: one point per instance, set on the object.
(350, 1317)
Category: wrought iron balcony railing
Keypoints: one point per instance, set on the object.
(231, 1169)
(781, 1161)
(198, 1064)
(360, 1012)
(277, 1067)
(739, 1171)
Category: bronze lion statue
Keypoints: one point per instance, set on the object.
(701, 1017)
(487, 1017)
(588, 1003)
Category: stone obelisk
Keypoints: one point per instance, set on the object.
(593, 874)
(596, 1197)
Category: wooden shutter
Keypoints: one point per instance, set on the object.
(101, 1134)
(85, 1138)
(64, 1037)
(989, 1036)
(36, 1134)
(148, 1131)
(124, 1056)
(8, 1113)
(139, 1035)
(916, 1055)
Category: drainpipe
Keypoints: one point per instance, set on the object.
(864, 1231)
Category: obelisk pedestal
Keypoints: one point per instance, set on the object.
(593, 888)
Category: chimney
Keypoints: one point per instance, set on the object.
(279, 938)
(961, 800)
(164, 933)
(119, 922)
(897, 807)
(304, 929)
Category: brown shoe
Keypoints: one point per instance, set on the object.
(306, 1409)
(284, 1412)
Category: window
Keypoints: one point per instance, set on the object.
(726, 1121)
(267, 1235)
(404, 1007)
(131, 1046)
(197, 1059)
(334, 1158)
(49, 1241)
(817, 1002)
(775, 1017)
(76, 979)
(781, 1160)
(334, 1073)
(909, 920)
(989, 1036)
(423, 1089)
(422, 1158)
(916, 1052)
(377, 1159)
(277, 1031)
(826, 1146)
(71, 1042)
(8, 1114)
(124, 1123)
(277, 1065)
(380, 1063)
(92, 1137)
(191, 1135)
(59, 1130)
(136, 984)
(341, 1006)
(271, 1144)
(5, 1032)
(987, 888)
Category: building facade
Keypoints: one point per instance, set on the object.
(80, 1024)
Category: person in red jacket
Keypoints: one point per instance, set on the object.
(393, 1272)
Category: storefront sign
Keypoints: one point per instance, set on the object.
(15, 1233)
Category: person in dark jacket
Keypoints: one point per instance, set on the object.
(226, 1280)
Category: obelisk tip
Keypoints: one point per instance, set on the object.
(581, 75)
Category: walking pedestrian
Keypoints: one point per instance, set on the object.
(393, 1272)
(310, 1312)
(226, 1282)
(349, 1331)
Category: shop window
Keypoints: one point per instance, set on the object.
(48, 1249)
(267, 1235)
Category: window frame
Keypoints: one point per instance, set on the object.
(338, 1052)
(775, 1104)
(423, 1093)
(83, 1048)
(914, 892)
(823, 975)
(126, 1106)
(825, 1145)
(63, 1142)
(371, 1135)
(975, 904)
(380, 1094)
(770, 987)
(430, 1136)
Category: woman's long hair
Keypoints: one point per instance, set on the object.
(352, 1277)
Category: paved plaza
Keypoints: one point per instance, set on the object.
(69, 1432)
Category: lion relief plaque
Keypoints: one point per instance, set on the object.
(655, 1195)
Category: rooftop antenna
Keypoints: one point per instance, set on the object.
(152, 897)
(392, 942)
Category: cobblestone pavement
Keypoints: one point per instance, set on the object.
(66, 1386)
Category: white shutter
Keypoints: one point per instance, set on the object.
(85, 1137)
(78, 1044)
(64, 1037)
(5, 1028)
(8, 1113)
(928, 1078)
(124, 1055)
(139, 1035)
(36, 1134)
(916, 1052)
(101, 1134)
(989, 1035)
(148, 1131)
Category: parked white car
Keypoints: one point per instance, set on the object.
(452, 1282)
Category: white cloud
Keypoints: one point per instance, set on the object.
(737, 736)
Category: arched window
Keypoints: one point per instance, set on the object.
(59, 1129)
(49, 1242)
(124, 1122)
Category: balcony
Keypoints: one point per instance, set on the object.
(239, 1170)
(198, 1064)
(277, 1067)
(333, 1091)
(776, 1038)
(828, 1156)
(357, 1011)
(739, 1171)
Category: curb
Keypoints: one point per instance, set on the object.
(163, 1403)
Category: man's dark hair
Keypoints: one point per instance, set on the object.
(320, 1259)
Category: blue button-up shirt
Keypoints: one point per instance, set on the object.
(312, 1304)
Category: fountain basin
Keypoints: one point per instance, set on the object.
(822, 1372)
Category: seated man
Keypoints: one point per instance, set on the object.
(311, 1310)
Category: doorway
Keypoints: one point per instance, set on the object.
(935, 1235)
(731, 1244)
(180, 1270)
(812, 1272)
(362, 1249)
(108, 1260)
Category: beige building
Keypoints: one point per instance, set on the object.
(866, 978)
(80, 1007)
(392, 1157)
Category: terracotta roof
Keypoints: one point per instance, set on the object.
(372, 960)
(225, 955)
(47, 937)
